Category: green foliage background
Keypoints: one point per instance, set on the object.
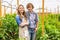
(51, 27)
(9, 27)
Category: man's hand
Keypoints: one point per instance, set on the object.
(35, 29)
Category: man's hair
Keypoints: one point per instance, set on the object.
(28, 5)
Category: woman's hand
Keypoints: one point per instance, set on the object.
(24, 24)
(21, 24)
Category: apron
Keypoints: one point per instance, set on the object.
(23, 32)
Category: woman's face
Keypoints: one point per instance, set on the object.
(21, 9)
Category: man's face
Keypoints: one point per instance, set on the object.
(30, 8)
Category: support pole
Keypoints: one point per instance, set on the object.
(0, 8)
(42, 17)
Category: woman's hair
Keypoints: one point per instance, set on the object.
(28, 5)
(24, 14)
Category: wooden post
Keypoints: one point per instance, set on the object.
(4, 11)
(17, 3)
(50, 10)
(11, 9)
(0, 8)
(42, 17)
(39, 13)
(46, 11)
(0, 11)
(58, 9)
(46, 14)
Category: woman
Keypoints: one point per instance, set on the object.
(23, 23)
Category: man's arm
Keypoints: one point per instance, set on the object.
(36, 26)
(36, 22)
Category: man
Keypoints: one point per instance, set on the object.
(33, 20)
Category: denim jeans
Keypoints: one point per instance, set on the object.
(32, 33)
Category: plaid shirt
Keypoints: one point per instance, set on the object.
(32, 19)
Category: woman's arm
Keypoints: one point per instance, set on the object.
(18, 20)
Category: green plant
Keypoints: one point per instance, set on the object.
(51, 28)
(9, 28)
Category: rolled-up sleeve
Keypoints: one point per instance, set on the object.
(18, 20)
